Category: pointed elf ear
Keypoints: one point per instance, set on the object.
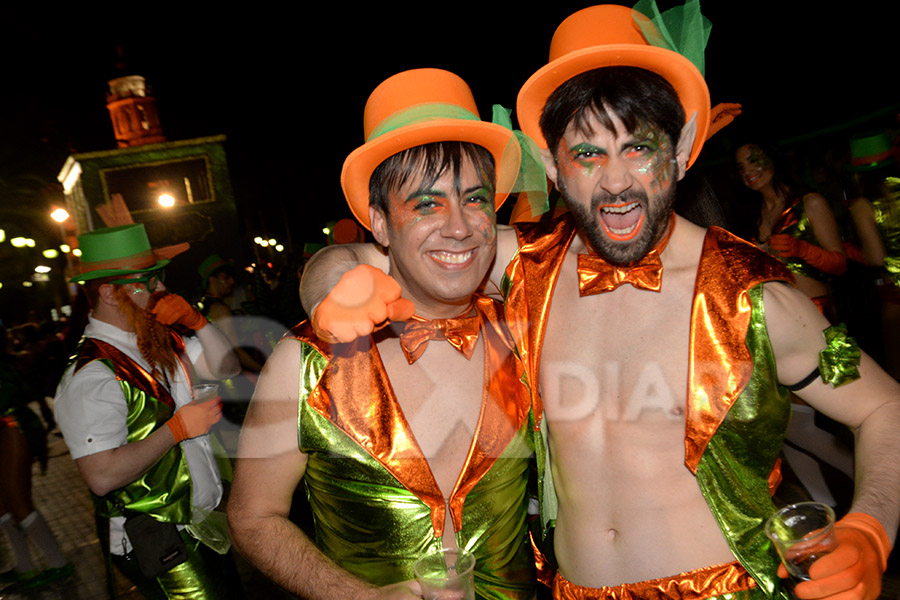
(685, 145)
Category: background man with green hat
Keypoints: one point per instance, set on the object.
(663, 352)
(873, 193)
(416, 437)
(126, 410)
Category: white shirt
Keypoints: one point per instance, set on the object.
(91, 412)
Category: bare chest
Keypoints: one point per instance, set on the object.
(441, 397)
(617, 357)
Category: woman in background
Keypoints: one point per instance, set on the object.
(795, 225)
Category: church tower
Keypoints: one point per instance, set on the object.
(133, 112)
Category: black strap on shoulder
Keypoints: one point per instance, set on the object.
(804, 382)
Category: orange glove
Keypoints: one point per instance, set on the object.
(721, 115)
(854, 253)
(195, 419)
(172, 308)
(855, 568)
(783, 244)
(363, 298)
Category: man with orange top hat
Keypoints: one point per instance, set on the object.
(663, 353)
(125, 408)
(416, 436)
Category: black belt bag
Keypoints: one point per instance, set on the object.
(158, 546)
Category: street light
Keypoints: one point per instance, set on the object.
(59, 215)
(166, 200)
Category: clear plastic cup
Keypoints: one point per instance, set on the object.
(204, 391)
(802, 534)
(446, 574)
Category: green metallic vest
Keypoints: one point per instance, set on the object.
(734, 470)
(372, 494)
(164, 491)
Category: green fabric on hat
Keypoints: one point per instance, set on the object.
(682, 29)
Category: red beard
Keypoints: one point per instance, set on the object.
(153, 338)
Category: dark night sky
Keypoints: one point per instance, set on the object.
(288, 88)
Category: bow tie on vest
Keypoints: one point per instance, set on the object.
(461, 332)
(596, 276)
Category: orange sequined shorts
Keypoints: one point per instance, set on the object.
(708, 582)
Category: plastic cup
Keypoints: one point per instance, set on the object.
(802, 534)
(446, 574)
(204, 391)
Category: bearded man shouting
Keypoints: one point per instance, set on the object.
(127, 413)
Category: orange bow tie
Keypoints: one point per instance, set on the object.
(461, 332)
(596, 276)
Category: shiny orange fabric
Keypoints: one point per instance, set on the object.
(137, 376)
(459, 332)
(377, 423)
(787, 218)
(720, 363)
(533, 273)
(596, 276)
(707, 582)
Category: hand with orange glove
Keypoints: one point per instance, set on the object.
(853, 570)
(362, 299)
(720, 116)
(172, 308)
(786, 245)
(195, 419)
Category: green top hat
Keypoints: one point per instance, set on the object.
(114, 251)
(213, 263)
(870, 152)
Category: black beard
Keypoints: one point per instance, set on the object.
(656, 222)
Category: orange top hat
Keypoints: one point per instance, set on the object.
(419, 107)
(608, 36)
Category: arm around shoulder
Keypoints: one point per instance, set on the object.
(324, 269)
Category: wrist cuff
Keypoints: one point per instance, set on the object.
(872, 529)
(176, 426)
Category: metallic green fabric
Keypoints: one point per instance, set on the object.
(801, 229)
(733, 472)
(372, 526)
(164, 491)
(839, 360)
(193, 579)
(887, 219)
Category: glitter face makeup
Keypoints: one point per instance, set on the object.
(441, 238)
(619, 186)
(754, 166)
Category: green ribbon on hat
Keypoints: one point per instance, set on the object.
(532, 178)
(682, 29)
(422, 113)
